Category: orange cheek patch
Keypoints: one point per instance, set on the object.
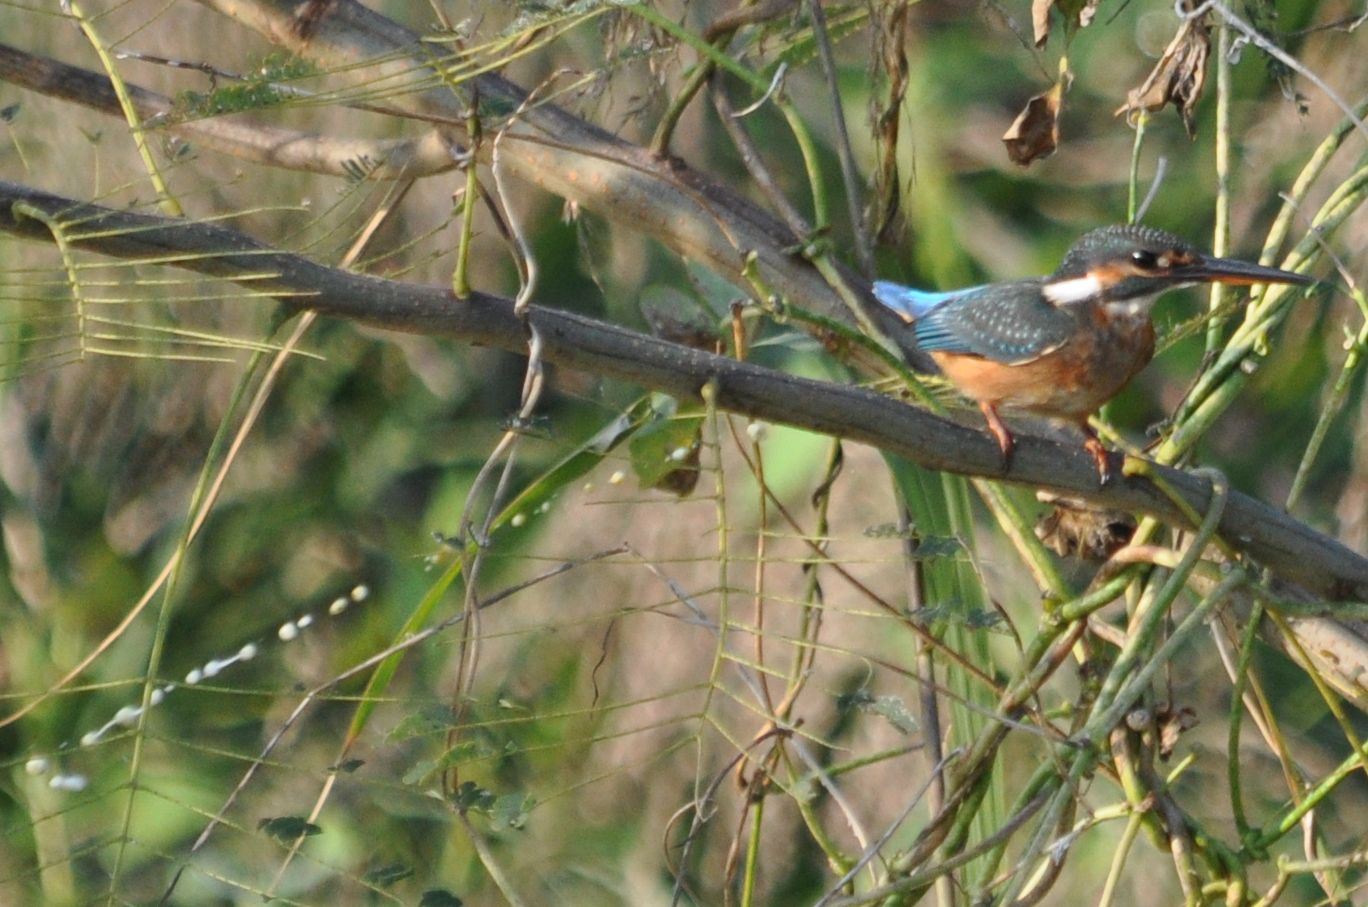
(1107, 275)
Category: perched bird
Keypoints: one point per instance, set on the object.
(1061, 346)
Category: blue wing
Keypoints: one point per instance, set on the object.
(1009, 322)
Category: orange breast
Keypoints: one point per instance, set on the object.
(1069, 382)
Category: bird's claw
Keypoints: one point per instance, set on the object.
(996, 427)
(1100, 457)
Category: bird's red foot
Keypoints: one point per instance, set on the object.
(1099, 454)
(996, 427)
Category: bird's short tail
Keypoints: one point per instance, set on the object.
(909, 302)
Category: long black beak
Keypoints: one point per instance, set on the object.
(1233, 271)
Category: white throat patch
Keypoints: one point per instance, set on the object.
(1132, 308)
(1072, 291)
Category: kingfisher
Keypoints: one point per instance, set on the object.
(1060, 346)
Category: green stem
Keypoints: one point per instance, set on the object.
(845, 156)
(1314, 798)
(1133, 199)
(714, 55)
(218, 448)
(1219, 385)
(1129, 675)
(1237, 703)
(694, 80)
(460, 277)
(1301, 187)
(168, 201)
(1333, 404)
(1123, 847)
(1221, 232)
(752, 853)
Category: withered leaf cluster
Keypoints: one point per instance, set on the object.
(1035, 132)
(1074, 527)
(1179, 75)
(1076, 13)
(1177, 79)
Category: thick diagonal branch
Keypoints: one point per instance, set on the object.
(1295, 552)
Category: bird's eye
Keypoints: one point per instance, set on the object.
(1143, 258)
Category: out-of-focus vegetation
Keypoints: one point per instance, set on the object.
(719, 683)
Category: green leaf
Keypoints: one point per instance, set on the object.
(954, 613)
(428, 722)
(470, 797)
(287, 828)
(511, 810)
(891, 708)
(385, 876)
(928, 546)
(678, 317)
(419, 771)
(897, 713)
(460, 754)
(855, 699)
(536, 497)
(664, 452)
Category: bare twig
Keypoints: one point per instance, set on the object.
(238, 136)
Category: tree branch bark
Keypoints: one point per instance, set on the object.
(238, 136)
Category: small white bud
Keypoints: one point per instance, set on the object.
(617, 478)
(360, 593)
(37, 766)
(73, 783)
(338, 606)
(287, 631)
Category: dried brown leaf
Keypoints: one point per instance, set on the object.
(1172, 723)
(1076, 15)
(886, 112)
(1035, 132)
(1178, 77)
(1040, 20)
(1074, 527)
